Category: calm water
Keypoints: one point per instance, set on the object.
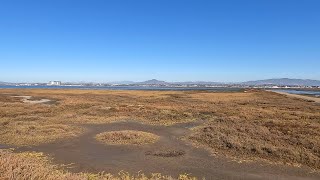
(300, 92)
(214, 89)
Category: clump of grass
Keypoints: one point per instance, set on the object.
(127, 137)
(31, 165)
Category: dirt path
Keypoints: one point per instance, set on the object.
(308, 98)
(88, 155)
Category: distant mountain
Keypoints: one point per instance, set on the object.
(284, 82)
(3, 83)
(122, 82)
(198, 83)
(153, 82)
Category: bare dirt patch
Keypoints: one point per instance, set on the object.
(32, 100)
(128, 137)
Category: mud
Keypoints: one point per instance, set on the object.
(170, 156)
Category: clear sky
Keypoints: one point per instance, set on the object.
(172, 40)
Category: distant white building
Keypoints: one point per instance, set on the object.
(54, 83)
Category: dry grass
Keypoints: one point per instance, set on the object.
(256, 124)
(29, 165)
(268, 126)
(25, 133)
(127, 137)
(81, 106)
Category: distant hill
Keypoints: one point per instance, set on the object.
(122, 82)
(1, 82)
(153, 82)
(198, 83)
(284, 82)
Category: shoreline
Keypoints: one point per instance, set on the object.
(308, 98)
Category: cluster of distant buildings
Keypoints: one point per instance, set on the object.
(54, 83)
(282, 87)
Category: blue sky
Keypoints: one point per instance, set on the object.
(172, 40)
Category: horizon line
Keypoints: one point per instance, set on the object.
(166, 81)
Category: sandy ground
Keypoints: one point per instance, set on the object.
(308, 98)
(88, 155)
(29, 99)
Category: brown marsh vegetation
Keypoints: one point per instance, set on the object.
(31, 165)
(127, 137)
(252, 125)
(269, 126)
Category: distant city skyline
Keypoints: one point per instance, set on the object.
(181, 40)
